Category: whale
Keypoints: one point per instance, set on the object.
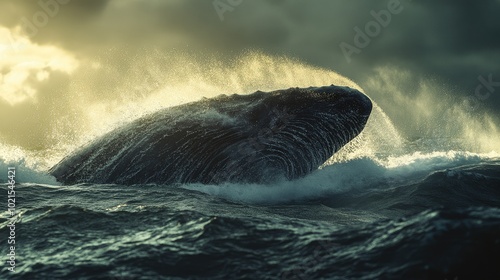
(260, 138)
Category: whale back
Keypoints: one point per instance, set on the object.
(255, 138)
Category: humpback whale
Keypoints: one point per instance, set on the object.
(254, 138)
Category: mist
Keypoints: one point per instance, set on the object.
(73, 70)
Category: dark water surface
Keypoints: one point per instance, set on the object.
(437, 219)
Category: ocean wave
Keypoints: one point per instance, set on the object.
(356, 174)
(26, 173)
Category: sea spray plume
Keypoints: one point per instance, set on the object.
(255, 138)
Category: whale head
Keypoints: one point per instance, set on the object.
(298, 129)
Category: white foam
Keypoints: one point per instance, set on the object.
(26, 174)
(344, 176)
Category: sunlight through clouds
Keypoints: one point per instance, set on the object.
(24, 65)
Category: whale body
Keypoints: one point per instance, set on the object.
(255, 138)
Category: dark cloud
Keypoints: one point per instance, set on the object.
(450, 42)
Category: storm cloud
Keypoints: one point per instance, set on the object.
(450, 43)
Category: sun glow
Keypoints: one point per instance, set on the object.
(24, 64)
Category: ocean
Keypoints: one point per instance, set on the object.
(384, 207)
(432, 216)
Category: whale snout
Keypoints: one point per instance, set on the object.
(359, 103)
(347, 100)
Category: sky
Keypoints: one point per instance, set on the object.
(66, 64)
